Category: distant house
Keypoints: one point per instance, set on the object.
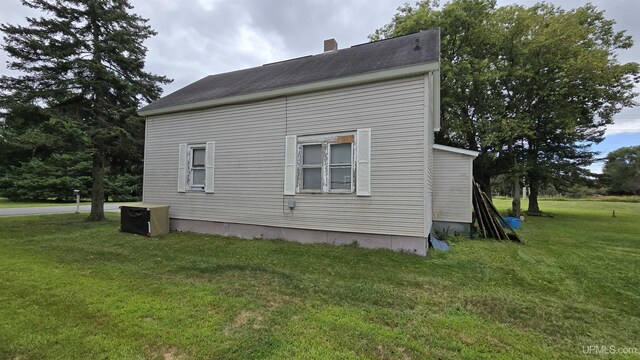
(331, 148)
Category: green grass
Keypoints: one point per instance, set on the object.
(73, 289)
(6, 203)
(628, 198)
(612, 198)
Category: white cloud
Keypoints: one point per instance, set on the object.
(250, 42)
(626, 127)
(206, 4)
(628, 121)
(197, 38)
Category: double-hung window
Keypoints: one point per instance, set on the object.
(327, 166)
(195, 167)
(197, 172)
(328, 163)
(340, 167)
(311, 169)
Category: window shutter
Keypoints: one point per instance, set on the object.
(290, 160)
(210, 155)
(363, 165)
(182, 167)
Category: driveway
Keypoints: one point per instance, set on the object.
(62, 209)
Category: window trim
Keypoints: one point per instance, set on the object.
(190, 167)
(326, 140)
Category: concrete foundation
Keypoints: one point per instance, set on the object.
(452, 228)
(414, 245)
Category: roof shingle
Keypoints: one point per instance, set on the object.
(421, 47)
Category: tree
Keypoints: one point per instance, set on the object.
(564, 84)
(469, 79)
(622, 170)
(44, 157)
(41, 156)
(84, 61)
(529, 88)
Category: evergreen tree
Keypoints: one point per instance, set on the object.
(42, 156)
(84, 60)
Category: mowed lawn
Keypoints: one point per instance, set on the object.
(73, 289)
(6, 203)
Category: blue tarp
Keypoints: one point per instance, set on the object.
(437, 243)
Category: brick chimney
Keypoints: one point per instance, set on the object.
(330, 45)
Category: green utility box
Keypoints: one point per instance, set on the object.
(145, 219)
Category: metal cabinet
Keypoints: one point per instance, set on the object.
(149, 220)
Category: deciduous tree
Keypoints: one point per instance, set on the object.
(622, 170)
(562, 84)
(528, 87)
(469, 78)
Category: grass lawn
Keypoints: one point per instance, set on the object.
(6, 203)
(72, 289)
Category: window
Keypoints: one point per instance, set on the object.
(312, 167)
(197, 171)
(326, 163)
(340, 166)
(195, 167)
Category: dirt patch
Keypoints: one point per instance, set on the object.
(172, 354)
(244, 319)
(495, 342)
(396, 353)
(467, 339)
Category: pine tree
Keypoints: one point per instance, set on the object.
(84, 59)
(42, 156)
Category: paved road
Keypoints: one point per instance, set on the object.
(62, 209)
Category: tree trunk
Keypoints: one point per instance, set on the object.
(533, 200)
(516, 191)
(97, 187)
(515, 204)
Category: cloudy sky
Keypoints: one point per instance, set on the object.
(197, 38)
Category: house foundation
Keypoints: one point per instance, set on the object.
(452, 228)
(409, 244)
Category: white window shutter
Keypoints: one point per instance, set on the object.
(363, 164)
(210, 155)
(290, 160)
(182, 168)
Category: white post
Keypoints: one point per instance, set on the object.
(77, 192)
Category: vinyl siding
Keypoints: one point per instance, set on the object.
(452, 186)
(249, 160)
(428, 151)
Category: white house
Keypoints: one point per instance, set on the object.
(332, 148)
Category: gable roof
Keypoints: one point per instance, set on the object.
(396, 53)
